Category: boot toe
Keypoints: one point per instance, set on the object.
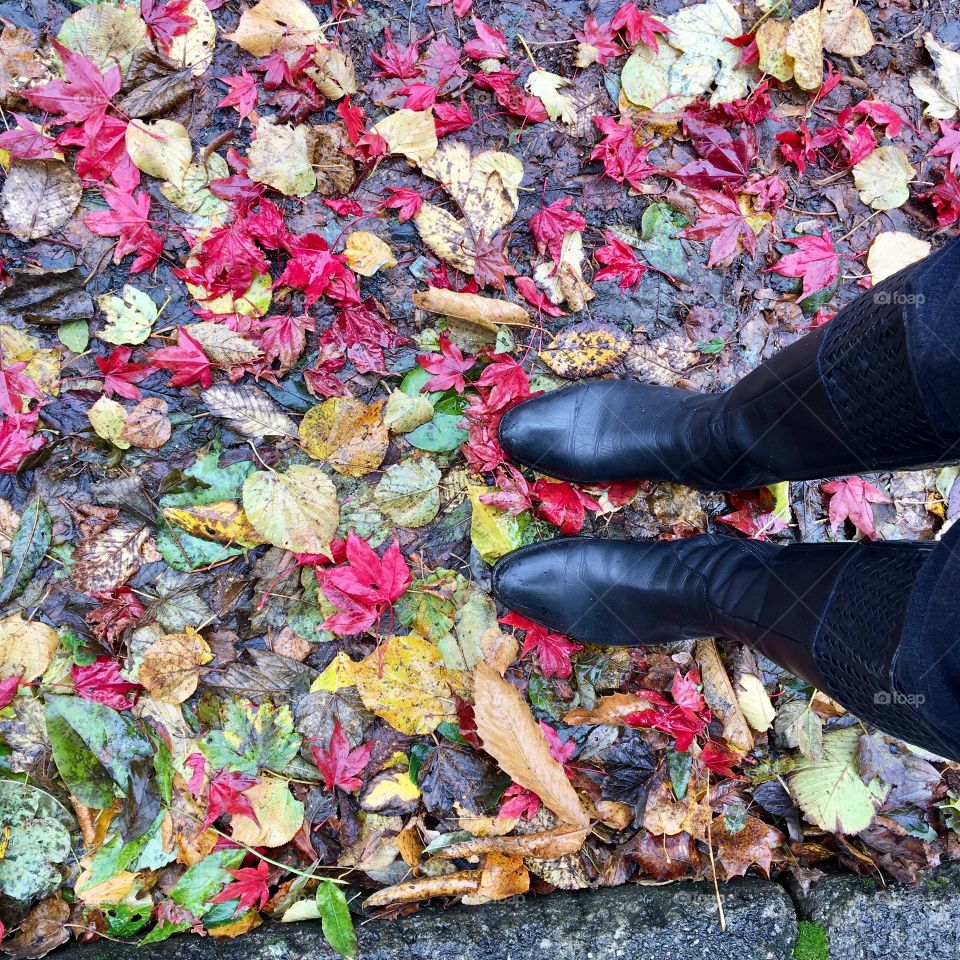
(537, 434)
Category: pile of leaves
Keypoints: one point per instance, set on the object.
(271, 275)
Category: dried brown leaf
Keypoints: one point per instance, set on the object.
(552, 844)
(423, 888)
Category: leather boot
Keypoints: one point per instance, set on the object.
(832, 614)
(876, 388)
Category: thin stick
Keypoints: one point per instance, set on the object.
(713, 866)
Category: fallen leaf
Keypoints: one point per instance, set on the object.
(366, 253)
(221, 522)
(892, 251)
(410, 133)
(109, 558)
(224, 346)
(408, 493)
(39, 197)
(546, 87)
(486, 312)
(804, 44)
(194, 48)
(773, 57)
(611, 709)
(720, 696)
(940, 90)
(105, 34)
(272, 24)
(109, 419)
(753, 845)
(129, 317)
(585, 350)
(26, 647)
(349, 435)
(882, 177)
(754, 703)
(457, 884)
(280, 156)
(545, 845)
(846, 29)
(170, 668)
(248, 410)
(160, 148)
(279, 815)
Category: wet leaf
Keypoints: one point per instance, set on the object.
(280, 157)
(26, 647)
(248, 411)
(129, 317)
(882, 178)
(39, 197)
(349, 435)
(366, 253)
(160, 148)
(337, 924)
(170, 668)
(279, 816)
(105, 34)
(585, 350)
(28, 547)
(408, 493)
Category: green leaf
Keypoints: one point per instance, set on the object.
(125, 921)
(336, 922)
(205, 879)
(830, 792)
(34, 847)
(74, 335)
(130, 317)
(659, 243)
(444, 432)
(27, 549)
(408, 493)
(678, 766)
(93, 748)
(493, 532)
(251, 741)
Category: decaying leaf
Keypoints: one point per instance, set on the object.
(804, 44)
(585, 350)
(546, 87)
(458, 884)
(26, 647)
(45, 296)
(129, 317)
(107, 35)
(224, 346)
(222, 522)
(278, 815)
(108, 419)
(720, 696)
(39, 197)
(511, 736)
(349, 435)
(845, 29)
(611, 709)
(248, 410)
(110, 557)
(940, 90)
(408, 493)
(170, 668)
(487, 312)
(544, 845)
(193, 49)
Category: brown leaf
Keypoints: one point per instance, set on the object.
(334, 169)
(110, 558)
(611, 709)
(719, 694)
(148, 425)
(486, 312)
(511, 736)
(41, 931)
(155, 84)
(547, 845)
(499, 649)
(412, 891)
(47, 296)
(170, 668)
(19, 62)
(503, 876)
(348, 434)
(39, 197)
(751, 846)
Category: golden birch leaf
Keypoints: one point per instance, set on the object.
(170, 668)
(805, 44)
(512, 737)
(270, 24)
(296, 510)
(221, 522)
(346, 433)
(280, 157)
(279, 815)
(366, 253)
(26, 647)
(108, 419)
(546, 86)
(405, 682)
(720, 696)
(882, 177)
(893, 250)
(410, 133)
(194, 49)
(774, 59)
(39, 197)
(160, 148)
(845, 28)
(148, 426)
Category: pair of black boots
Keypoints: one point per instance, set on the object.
(874, 625)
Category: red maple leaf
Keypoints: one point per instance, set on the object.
(945, 197)
(405, 201)
(723, 222)
(285, 337)
(17, 440)
(600, 37)
(719, 758)
(518, 803)
(225, 792)
(561, 751)
(536, 297)
(725, 160)
(354, 119)
(746, 43)
(815, 262)
(623, 156)
(363, 334)
(119, 375)
(8, 690)
(118, 610)
(128, 219)
(267, 226)
(447, 368)
(491, 262)
(364, 588)
(561, 504)
(338, 764)
(947, 146)
(228, 260)
(752, 515)
(187, 361)
(250, 885)
(684, 719)
(798, 146)
(553, 650)
(551, 223)
(850, 499)
(504, 382)
(399, 63)
(312, 267)
(84, 95)
(880, 113)
(14, 386)
(27, 141)
(165, 20)
(103, 153)
(513, 491)
(345, 207)
(449, 118)
(510, 96)
(638, 26)
(442, 62)
(243, 93)
(420, 96)
(620, 262)
(320, 377)
(101, 682)
(490, 43)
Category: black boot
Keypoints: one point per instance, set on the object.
(832, 614)
(876, 388)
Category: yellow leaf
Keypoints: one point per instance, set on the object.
(774, 59)
(552, 844)
(585, 350)
(754, 703)
(458, 884)
(26, 647)
(646, 78)
(493, 532)
(280, 157)
(108, 419)
(449, 238)
(486, 312)
(170, 668)
(405, 682)
(805, 44)
(194, 48)
(296, 510)
(893, 250)
(512, 737)
(404, 413)
(129, 317)
(222, 522)
(411, 133)
(545, 86)
(271, 24)
(333, 72)
(846, 29)
(366, 253)
(719, 694)
(388, 790)
(160, 148)
(349, 435)
(563, 280)
(504, 875)
(340, 672)
(882, 178)
(279, 813)
(148, 425)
